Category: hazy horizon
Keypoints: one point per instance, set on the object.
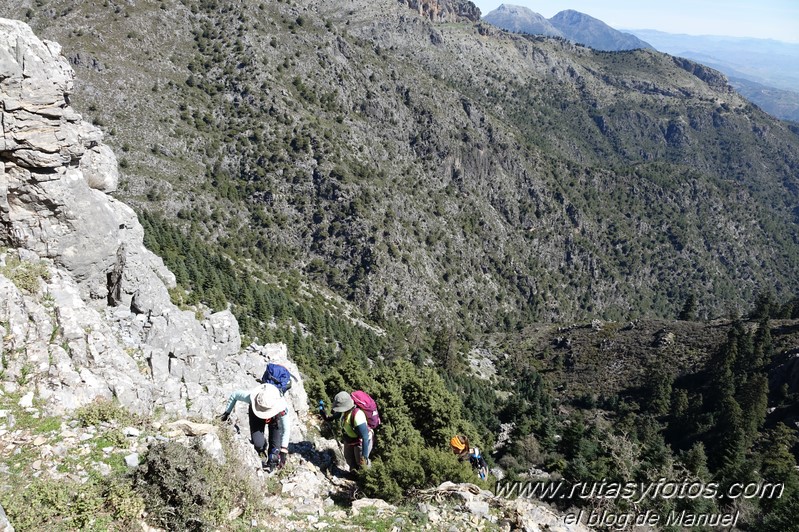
(770, 19)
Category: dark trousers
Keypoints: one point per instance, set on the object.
(258, 434)
(353, 449)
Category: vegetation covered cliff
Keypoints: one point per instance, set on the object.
(438, 171)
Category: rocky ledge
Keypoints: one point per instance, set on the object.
(445, 10)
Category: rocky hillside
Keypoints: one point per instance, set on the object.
(445, 10)
(784, 104)
(85, 304)
(765, 71)
(438, 170)
(107, 388)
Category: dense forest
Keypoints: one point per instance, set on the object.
(708, 425)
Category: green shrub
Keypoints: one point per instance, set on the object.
(185, 489)
(173, 480)
(106, 504)
(36, 504)
(412, 467)
(442, 466)
(102, 410)
(25, 274)
(124, 503)
(379, 481)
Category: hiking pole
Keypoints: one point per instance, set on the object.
(332, 429)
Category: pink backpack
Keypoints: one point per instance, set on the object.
(363, 401)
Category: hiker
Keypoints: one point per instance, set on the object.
(267, 408)
(357, 436)
(460, 446)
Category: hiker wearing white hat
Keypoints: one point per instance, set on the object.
(267, 408)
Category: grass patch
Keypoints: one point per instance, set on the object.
(100, 504)
(104, 411)
(25, 275)
(25, 420)
(46, 425)
(369, 519)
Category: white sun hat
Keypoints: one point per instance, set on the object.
(266, 401)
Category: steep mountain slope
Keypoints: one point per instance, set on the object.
(587, 30)
(764, 71)
(85, 316)
(439, 171)
(98, 370)
(765, 61)
(783, 104)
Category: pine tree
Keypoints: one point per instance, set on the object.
(753, 398)
(679, 405)
(695, 459)
(765, 305)
(660, 388)
(722, 381)
(778, 466)
(446, 352)
(688, 312)
(730, 445)
(745, 362)
(764, 344)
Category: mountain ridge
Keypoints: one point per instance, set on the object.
(521, 20)
(590, 31)
(766, 62)
(569, 24)
(540, 136)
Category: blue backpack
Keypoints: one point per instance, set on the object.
(277, 375)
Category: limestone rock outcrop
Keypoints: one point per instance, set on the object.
(445, 10)
(84, 306)
(55, 177)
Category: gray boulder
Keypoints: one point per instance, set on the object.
(5, 525)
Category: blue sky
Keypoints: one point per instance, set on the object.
(765, 19)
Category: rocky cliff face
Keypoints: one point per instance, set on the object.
(84, 306)
(445, 10)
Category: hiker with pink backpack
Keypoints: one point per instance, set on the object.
(358, 417)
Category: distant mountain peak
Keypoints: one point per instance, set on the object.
(590, 31)
(521, 20)
(569, 24)
(509, 8)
